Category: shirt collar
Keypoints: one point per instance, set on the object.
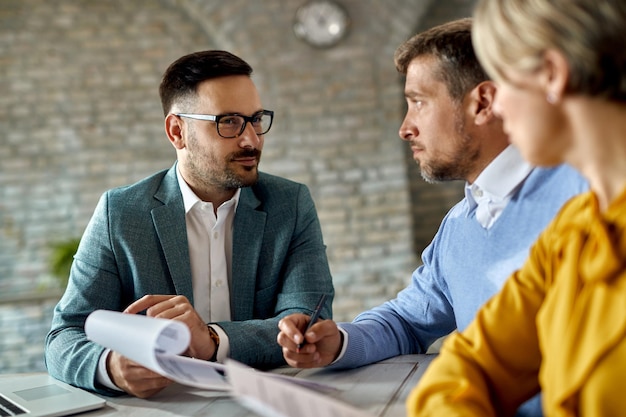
(190, 198)
(502, 176)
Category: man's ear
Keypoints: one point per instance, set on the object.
(174, 130)
(482, 97)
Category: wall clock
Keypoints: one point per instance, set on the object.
(321, 23)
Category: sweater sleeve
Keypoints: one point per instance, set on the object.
(410, 323)
(493, 366)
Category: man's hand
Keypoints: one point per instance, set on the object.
(134, 378)
(177, 307)
(323, 341)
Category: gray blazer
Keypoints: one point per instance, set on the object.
(136, 244)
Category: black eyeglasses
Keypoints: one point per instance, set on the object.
(233, 125)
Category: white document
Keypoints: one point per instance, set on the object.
(279, 397)
(156, 344)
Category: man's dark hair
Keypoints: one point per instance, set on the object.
(451, 44)
(182, 77)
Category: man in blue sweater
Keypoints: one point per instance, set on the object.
(454, 134)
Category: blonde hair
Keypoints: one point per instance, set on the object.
(591, 34)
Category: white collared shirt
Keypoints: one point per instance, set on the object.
(210, 240)
(495, 185)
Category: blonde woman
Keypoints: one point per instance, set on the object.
(559, 324)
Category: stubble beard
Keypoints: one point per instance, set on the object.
(207, 171)
(441, 171)
(239, 181)
(456, 166)
(231, 180)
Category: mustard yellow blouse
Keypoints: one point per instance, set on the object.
(558, 325)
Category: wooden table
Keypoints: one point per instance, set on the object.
(380, 388)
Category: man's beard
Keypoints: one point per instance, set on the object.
(442, 171)
(205, 168)
(231, 180)
(457, 166)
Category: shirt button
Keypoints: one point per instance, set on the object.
(478, 192)
(215, 235)
(219, 283)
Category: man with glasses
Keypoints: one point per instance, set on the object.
(211, 241)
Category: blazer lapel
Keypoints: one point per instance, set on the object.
(169, 222)
(248, 228)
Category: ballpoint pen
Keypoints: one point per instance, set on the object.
(314, 317)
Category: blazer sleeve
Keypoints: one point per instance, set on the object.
(120, 258)
(93, 284)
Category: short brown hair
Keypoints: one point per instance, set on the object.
(182, 77)
(451, 44)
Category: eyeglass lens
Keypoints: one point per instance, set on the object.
(231, 126)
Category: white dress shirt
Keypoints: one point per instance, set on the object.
(210, 252)
(210, 239)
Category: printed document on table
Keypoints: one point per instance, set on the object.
(279, 397)
(156, 344)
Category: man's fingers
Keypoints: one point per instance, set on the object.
(320, 330)
(155, 304)
(146, 387)
(145, 303)
(134, 378)
(292, 326)
(288, 341)
(301, 360)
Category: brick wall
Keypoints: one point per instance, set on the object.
(23, 327)
(81, 114)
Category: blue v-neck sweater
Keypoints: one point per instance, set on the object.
(463, 266)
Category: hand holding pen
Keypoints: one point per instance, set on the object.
(314, 317)
(323, 345)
